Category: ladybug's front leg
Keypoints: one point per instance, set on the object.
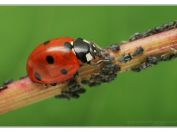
(74, 89)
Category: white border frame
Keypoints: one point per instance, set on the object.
(90, 2)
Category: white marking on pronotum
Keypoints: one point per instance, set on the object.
(71, 43)
(86, 41)
(89, 57)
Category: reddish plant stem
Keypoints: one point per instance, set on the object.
(24, 92)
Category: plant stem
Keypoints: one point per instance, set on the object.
(24, 92)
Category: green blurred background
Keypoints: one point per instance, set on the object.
(145, 98)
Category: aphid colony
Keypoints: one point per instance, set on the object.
(153, 60)
(107, 73)
(153, 31)
(150, 60)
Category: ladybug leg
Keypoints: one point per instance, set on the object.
(74, 89)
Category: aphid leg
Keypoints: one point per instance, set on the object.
(165, 57)
(100, 61)
(173, 50)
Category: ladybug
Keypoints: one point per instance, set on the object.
(58, 60)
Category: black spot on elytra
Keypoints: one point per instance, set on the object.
(50, 59)
(63, 71)
(46, 42)
(68, 45)
(37, 76)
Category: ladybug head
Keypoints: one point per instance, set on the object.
(85, 50)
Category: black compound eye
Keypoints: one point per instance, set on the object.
(37, 76)
(46, 42)
(63, 71)
(68, 45)
(50, 59)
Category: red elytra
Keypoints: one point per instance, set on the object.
(52, 62)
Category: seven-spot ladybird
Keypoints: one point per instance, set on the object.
(59, 59)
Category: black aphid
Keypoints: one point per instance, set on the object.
(125, 58)
(73, 90)
(115, 48)
(138, 51)
(152, 60)
(135, 37)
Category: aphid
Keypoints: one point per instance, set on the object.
(138, 51)
(59, 59)
(135, 37)
(152, 60)
(136, 69)
(158, 29)
(115, 48)
(125, 58)
(167, 57)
